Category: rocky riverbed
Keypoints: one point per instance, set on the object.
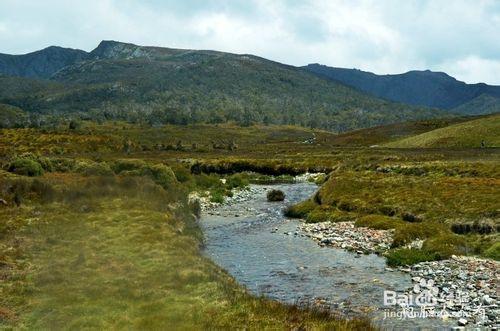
(463, 288)
(345, 235)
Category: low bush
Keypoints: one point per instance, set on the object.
(161, 174)
(301, 209)
(404, 257)
(127, 165)
(91, 168)
(217, 196)
(378, 222)
(275, 195)
(25, 167)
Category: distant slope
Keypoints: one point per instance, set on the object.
(40, 64)
(466, 134)
(424, 88)
(387, 133)
(483, 104)
(161, 85)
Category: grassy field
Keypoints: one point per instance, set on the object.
(468, 134)
(104, 237)
(114, 252)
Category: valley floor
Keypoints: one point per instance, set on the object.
(97, 232)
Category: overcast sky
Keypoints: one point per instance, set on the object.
(460, 37)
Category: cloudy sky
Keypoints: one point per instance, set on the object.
(460, 37)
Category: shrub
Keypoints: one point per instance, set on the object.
(161, 174)
(237, 181)
(378, 222)
(182, 174)
(217, 197)
(25, 167)
(275, 195)
(301, 209)
(90, 168)
(404, 256)
(127, 165)
(63, 164)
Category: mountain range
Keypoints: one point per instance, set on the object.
(419, 88)
(155, 85)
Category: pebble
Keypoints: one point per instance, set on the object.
(345, 235)
(463, 286)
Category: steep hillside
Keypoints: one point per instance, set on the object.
(40, 64)
(424, 88)
(466, 134)
(161, 85)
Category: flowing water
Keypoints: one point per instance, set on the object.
(267, 254)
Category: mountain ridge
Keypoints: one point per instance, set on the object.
(177, 86)
(417, 87)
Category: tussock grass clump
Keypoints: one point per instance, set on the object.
(493, 252)
(328, 214)
(378, 222)
(275, 195)
(412, 231)
(237, 181)
(485, 226)
(405, 256)
(445, 245)
(301, 209)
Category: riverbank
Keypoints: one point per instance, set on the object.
(465, 288)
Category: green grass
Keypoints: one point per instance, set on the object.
(123, 253)
(467, 134)
(378, 222)
(404, 256)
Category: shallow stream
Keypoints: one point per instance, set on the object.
(268, 254)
